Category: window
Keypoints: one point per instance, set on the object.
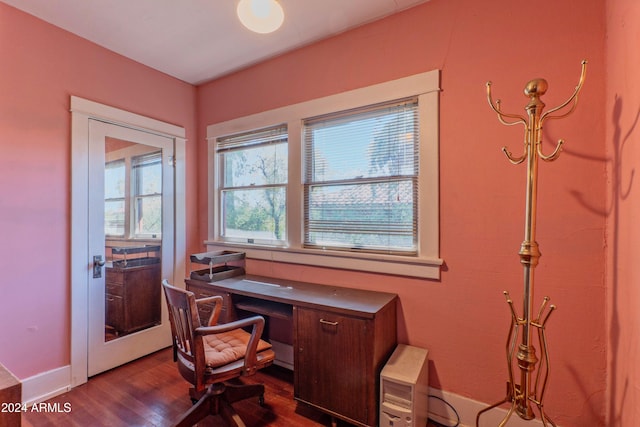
(133, 196)
(361, 183)
(254, 171)
(147, 195)
(347, 181)
(114, 198)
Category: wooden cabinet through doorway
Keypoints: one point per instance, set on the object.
(132, 297)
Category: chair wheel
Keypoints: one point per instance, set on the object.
(261, 400)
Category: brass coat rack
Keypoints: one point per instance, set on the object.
(533, 379)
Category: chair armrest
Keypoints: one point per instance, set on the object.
(217, 308)
(250, 357)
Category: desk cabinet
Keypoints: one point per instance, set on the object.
(132, 297)
(338, 360)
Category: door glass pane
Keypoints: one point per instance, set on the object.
(147, 195)
(114, 186)
(133, 237)
(148, 216)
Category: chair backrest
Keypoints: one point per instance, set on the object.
(184, 319)
(188, 337)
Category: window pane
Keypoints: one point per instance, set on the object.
(361, 179)
(376, 216)
(254, 174)
(114, 193)
(261, 165)
(114, 217)
(148, 174)
(371, 144)
(114, 180)
(148, 214)
(254, 214)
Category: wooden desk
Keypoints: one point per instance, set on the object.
(342, 337)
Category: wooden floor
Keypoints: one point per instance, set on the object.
(150, 392)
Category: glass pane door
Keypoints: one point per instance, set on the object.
(133, 237)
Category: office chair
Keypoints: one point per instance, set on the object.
(208, 356)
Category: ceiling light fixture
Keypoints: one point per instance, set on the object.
(260, 16)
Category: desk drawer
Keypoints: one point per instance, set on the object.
(205, 310)
(227, 314)
(114, 312)
(114, 276)
(114, 288)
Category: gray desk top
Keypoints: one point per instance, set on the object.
(332, 298)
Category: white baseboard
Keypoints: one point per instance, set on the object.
(468, 409)
(46, 385)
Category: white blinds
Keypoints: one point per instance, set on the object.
(361, 179)
(245, 140)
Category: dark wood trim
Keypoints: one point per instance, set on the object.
(10, 398)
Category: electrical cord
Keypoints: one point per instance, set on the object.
(431, 396)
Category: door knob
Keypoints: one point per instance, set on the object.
(98, 263)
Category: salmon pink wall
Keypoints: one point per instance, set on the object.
(463, 319)
(42, 66)
(623, 210)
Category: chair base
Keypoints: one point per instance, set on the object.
(217, 400)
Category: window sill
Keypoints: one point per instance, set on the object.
(422, 267)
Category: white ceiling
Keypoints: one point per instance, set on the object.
(199, 40)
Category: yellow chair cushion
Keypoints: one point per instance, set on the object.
(227, 347)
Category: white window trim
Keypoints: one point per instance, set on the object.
(427, 264)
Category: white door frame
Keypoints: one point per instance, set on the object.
(82, 110)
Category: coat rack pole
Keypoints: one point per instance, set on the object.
(533, 376)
